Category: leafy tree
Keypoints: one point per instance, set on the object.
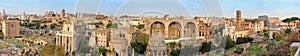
(205, 47)
(32, 25)
(294, 18)
(266, 33)
(279, 36)
(239, 50)
(52, 26)
(175, 52)
(37, 25)
(229, 42)
(172, 44)
(293, 50)
(13, 19)
(179, 45)
(241, 40)
(36, 21)
(111, 26)
(83, 46)
(139, 47)
(102, 50)
(140, 26)
(52, 50)
(140, 43)
(289, 20)
(60, 22)
(99, 23)
(142, 38)
(95, 52)
(45, 21)
(288, 31)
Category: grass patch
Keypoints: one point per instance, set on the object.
(112, 26)
(232, 49)
(3, 45)
(254, 49)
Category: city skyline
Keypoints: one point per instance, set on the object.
(149, 28)
(250, 9)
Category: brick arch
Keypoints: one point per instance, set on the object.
(174, 30)
(157, 26)
(201, 30)
(166, 23)
(190, 29)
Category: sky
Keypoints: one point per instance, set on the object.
(189, 8)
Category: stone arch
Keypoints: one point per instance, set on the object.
(174, 30)
(157, 27)
(201, 30)
(190, 30)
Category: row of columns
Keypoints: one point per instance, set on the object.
(157, 53)
(202, 33)
(65, 42)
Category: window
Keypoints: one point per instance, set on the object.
(67, 40)
(193, 31)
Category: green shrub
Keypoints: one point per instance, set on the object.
(239, 50)
(111, 26)
(140, 26)
(241, 40)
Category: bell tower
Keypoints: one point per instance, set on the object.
(62, 13)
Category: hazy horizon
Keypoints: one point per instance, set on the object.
(218, 8)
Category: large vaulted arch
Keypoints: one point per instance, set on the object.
(190, 30)
(174, 30)
(157, 27)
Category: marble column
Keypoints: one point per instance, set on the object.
(56, 40)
